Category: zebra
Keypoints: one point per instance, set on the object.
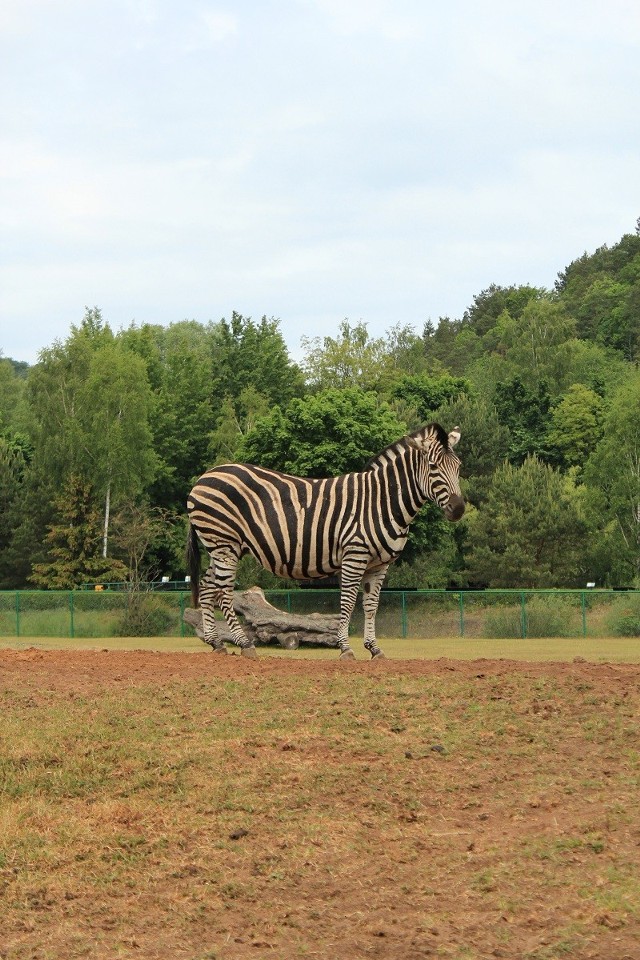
(354, 525)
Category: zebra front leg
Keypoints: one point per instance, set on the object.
(371, 587)
(349, 582)
(226, 562)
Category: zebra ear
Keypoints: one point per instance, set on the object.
(454, 436)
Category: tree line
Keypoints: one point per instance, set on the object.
(102, 438)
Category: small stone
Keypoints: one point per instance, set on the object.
(238, 834)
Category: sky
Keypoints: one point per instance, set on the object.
(311, 160)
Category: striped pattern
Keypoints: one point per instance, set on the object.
(355, 524)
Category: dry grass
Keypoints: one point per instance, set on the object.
(189, 807)
(595, 649)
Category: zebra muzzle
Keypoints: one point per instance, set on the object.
(454, 508)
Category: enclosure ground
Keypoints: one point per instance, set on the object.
(598, 649)
(191, 806)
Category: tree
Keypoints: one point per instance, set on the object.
(352, 359)
(535, 344)
(89, 402)
(489, 304)
(180, 370)
(74, 542)
(11, 390)
(530, 531)
(428, 393)
(602, 290)
(612, 474)
(236, 419)
(248, 354)
(575, 426)
(525, 412)
(14, 458)
(327, 434)
(115, 396)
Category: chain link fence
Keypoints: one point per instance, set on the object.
(419, 614)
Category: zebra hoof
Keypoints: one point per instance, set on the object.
(250, 652)
(221, 650)
(378, 656)
(347, 655)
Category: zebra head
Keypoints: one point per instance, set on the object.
(441, 475)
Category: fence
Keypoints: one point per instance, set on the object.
(420, 614)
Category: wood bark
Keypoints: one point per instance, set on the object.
(263, 623)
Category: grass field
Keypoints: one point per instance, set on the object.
(596, 649)
(186, 806)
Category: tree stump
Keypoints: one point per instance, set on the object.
(263, 623)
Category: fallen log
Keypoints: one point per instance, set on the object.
(263, 623)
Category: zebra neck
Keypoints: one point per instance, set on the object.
(406, 485)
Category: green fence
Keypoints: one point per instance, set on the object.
(419, 614)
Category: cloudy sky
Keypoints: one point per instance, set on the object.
(381, 160)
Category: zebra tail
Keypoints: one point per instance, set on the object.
(192, 556)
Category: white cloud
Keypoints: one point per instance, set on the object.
(312, 159)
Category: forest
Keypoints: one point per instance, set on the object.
(102, 438)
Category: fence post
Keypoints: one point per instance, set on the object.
(17, 613)
(523, 616)
(583, 603)
(461, 602)
(404, 615)
(71, 624)
(182, 614)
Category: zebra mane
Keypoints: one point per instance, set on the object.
(396, 447)
(399, 445)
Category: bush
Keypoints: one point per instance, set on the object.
(545, 617)
(146, 616)
(624, 619)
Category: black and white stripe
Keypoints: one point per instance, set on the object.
(354, 525)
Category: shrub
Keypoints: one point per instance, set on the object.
(545, 617)
(624, 619)
(145, 616)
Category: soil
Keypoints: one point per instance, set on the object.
(505, 855)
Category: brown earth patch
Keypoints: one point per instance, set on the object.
(192, 806)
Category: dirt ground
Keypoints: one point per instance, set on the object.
(489, 810)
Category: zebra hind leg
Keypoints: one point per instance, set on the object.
(371, 587)
(226, 562)
(207, 605)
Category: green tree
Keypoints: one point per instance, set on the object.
(236, 419)
(248, 354)
(489, 304)
(602, 290)
(352, 359)
(14, 457)
(485, 440)
(575, 426)
(530, 531)
(326, 434)
(535, 344)
(180, 370)
(612, 475)
(89, 402)
(426, 394)
(74, 541)
(525, 412)
(115, 399)
(11, 390)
